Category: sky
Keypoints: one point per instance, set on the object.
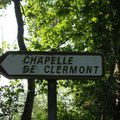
(8, 26)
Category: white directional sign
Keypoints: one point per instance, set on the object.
(55, 65)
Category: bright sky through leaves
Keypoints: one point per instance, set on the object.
(8, 25)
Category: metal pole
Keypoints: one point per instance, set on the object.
(52, 99)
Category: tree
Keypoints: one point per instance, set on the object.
(82, 26)
(31, 82)
(55, 29)
(104, 21)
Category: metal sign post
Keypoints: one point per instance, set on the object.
(52, 99)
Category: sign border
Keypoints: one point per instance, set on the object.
(58, 77)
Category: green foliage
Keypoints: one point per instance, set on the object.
(40, 108)
(4, 3)
(10, 103)
(4, 47)
(80, 25)
(57, 27)
(66, 108)
(103, 16)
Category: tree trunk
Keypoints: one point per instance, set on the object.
(29, 100)
(27, 113)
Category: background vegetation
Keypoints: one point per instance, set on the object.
(71, 25)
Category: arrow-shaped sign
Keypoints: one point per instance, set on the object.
(55, 65)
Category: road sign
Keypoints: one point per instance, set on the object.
(55, 65)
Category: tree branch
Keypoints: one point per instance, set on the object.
(19, 19)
